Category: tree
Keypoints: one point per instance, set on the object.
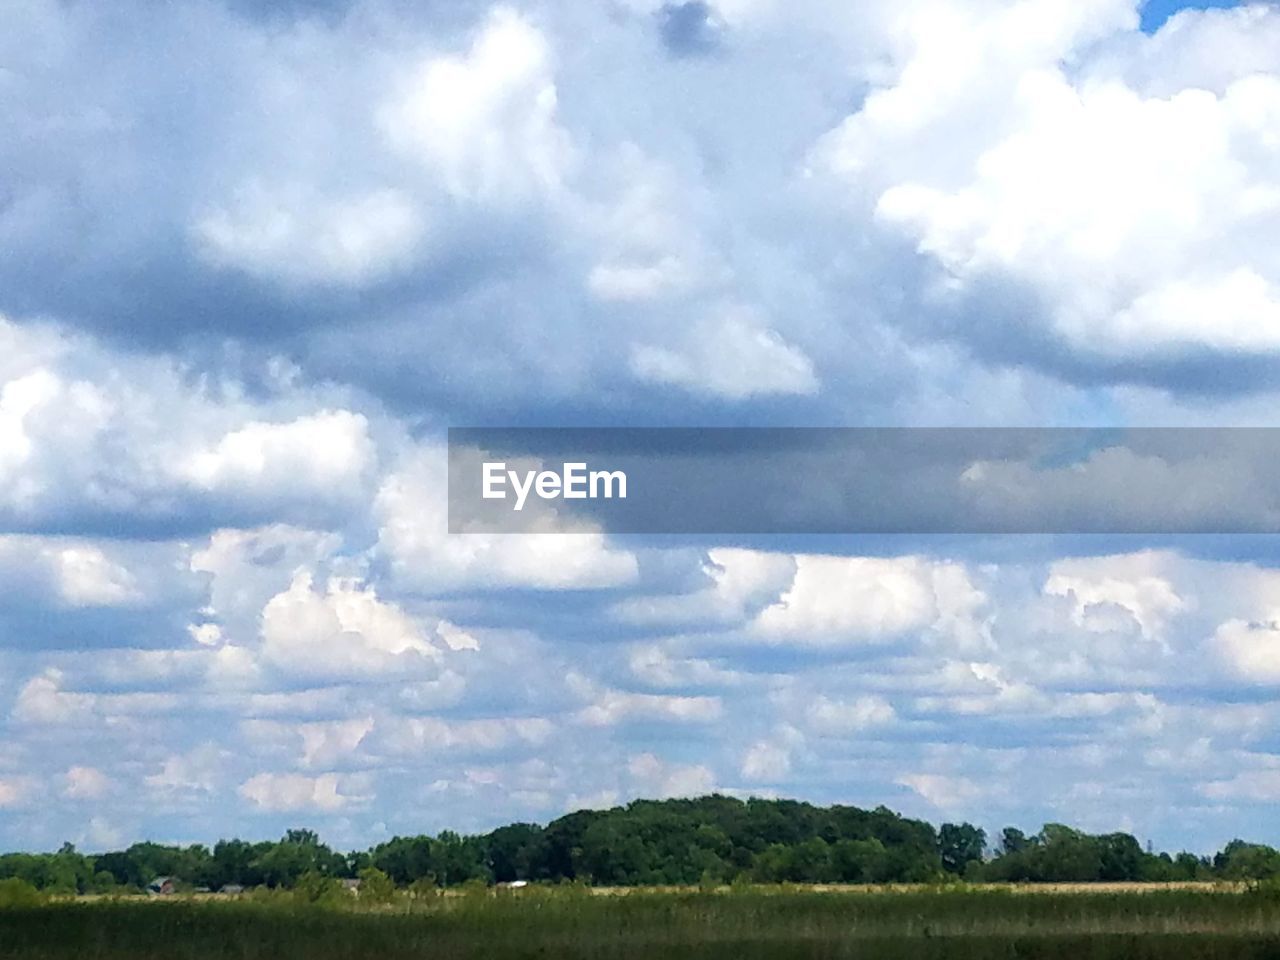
(1012, 840)
(376, 887)
(960, 844)
(515, 852)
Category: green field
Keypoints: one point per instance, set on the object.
(760, 923)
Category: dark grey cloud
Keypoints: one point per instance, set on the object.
(690, 29)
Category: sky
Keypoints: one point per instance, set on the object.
(257, 258)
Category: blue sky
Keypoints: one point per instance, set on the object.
(1156, 12)
(258, 259)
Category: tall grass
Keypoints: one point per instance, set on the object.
(555, 923)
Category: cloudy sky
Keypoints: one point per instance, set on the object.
(256, 257)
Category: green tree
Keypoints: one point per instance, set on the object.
(376, 887)
(960, 844)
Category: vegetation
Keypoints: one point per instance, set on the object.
(704, 842)
(567, 922)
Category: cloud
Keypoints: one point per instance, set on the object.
(17, 792)
(739, 584)
(86, 783)
(1105, 592)
(412, 513)
(837, 601)
(289, 792)
(245, 290)
(310, 240)
(327, 453)
(1130, 218)
(70, 572)
(690, 28)
(846, 718)
(92, 438)
(42, 701)
(609, 707)
(1251, 786)
(1250, 649)
(769, 761)
(485, 122)
(197, 773)
(952, 794)
(654, 777)
(730, 356)
(341, 630)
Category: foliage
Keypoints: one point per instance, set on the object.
(314, 887)
(708, 842)
(376, 887)
(19, 893)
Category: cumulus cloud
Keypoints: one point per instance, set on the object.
(485, 122)
(849, 718)
(739, 584)
(946, 793)
(341, 630)
(313, 240)
(75, 573)
(1131, 217)
(609, 707)
(325, 454)
(89, 436)
(251, 285)
(868, 600)
(411, 507)
(1107, 591)
(654, 777)
(42, 701)
(733, 356)
(289, 792)
(86, 783)
(1251, 649)
(769, 760)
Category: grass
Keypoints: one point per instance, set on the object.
(543, 923)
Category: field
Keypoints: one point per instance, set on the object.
(759, 923)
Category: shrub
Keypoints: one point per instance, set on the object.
(376, 887)
(315, 888)
(16, 892)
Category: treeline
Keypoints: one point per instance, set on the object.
(713, 839)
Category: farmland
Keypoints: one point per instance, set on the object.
(1207, 921)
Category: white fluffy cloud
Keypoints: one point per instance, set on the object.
(485, 122)
(73, 572)
(341, 630)
(313, 240)
(1134, 217)
(289, 792)
(740, 583)
(607, 707)
(88, 432)
(321, 456)
(1105, 591)
(86, 783)
(867, 600)
(654, 777)
(732, 355)
(1250, 649)
(250, 281)
(412, 510)
(848, 718)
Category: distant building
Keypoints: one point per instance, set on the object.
(351, 885)
(162, 887)
(231, 889)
